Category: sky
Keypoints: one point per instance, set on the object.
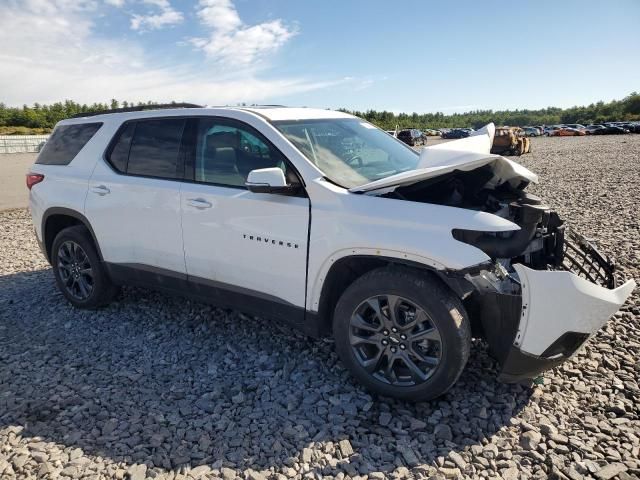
(409, 56)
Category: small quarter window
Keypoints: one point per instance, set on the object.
(65, 143)
(119, 154)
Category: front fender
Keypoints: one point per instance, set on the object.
(347, 224)
(364, 252)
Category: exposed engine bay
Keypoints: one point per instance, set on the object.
(543, 241)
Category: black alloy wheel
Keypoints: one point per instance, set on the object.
(80, 274)
(75, 270)
(395, 340)
(402, 333)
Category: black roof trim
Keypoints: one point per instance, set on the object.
(140, 108)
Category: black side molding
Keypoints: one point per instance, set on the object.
(216, 293)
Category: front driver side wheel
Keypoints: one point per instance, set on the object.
(402, 334)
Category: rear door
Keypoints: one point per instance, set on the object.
(133, 202)
(251, 246)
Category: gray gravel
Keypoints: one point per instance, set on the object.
(161, 387)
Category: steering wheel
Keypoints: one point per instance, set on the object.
(357, 159)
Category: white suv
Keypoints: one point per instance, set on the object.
(322, 220)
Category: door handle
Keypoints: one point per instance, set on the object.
(100, 190)
(199, 203)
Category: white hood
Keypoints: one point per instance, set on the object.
(464, 155)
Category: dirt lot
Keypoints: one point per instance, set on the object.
(13, 167)
(162, 387)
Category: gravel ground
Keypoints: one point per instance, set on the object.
(161, 387)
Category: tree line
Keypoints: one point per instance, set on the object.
(617, 110)
(41, 118)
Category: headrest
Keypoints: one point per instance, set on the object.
(222, 139)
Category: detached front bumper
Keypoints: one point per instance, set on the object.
(552, 315)
(560, 312)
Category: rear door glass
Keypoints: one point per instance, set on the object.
(65, 143)
(155, 148)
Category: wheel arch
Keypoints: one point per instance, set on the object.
(345, 270)
(56, 219)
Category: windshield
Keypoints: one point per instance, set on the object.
(349, 151)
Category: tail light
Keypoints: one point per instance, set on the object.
(33, 178)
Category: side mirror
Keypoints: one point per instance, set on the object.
(268, 180)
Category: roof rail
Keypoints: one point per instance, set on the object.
(159, 106)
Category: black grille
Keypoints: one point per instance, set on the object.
(581, 257)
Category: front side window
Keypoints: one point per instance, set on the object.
(349, 151)
(65, 143)
(155, 148)
(226, 152)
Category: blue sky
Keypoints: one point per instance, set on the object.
(400, 56)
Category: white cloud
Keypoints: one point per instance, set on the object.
(50, 53)
(221, 15)
(166, 16)
(231, 41)
(115, 3)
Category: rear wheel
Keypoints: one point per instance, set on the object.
(402, 334)
(79, 273)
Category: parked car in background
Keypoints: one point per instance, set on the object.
(632, 127)
(610, 130)
(412, 137)
(549, 129)
(431, 132)
(576, 126)
(457, 133)
(531, 131)
(565, 131)
(590, 129)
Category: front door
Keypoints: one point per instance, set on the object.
(252, 246)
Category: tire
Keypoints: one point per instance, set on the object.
(75, 263)
(443, 335)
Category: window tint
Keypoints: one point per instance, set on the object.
(65, 142)
(119, 154)
(155, 148)
(226, 153)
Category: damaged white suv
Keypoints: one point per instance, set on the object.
(322, 220)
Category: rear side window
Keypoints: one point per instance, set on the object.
(155, 148)
(65, 143)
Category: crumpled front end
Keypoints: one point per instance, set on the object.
(545, 289)
(536, 318)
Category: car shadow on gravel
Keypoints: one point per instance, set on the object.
(175, 384)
